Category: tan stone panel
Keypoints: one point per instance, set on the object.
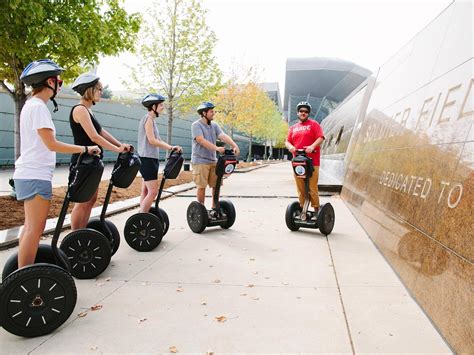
(455, 227)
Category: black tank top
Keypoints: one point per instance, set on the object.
(80, 136)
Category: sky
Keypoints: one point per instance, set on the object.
(264, 33)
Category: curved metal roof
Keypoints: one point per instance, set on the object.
(331, 78)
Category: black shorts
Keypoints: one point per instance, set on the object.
(149, 168)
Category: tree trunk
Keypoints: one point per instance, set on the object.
(19, 98)
(170, 126)
(249, 158)
(265, 151)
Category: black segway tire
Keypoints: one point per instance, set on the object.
(88, 252)
(44, 255)
(326, 219)
(36, 300)
(292, 210)
(161, 214)
(228, 209)
(197, 217)
(143, 231)
(114, 239)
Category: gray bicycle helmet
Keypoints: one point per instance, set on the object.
(83, 82)
(303, 104)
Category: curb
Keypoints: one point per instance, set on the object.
(246, 170)
(9, 237)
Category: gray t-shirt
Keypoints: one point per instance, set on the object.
(200, 154)
(145, 149)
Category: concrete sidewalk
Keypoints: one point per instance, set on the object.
(279, 291)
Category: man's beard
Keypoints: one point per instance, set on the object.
(303, 119)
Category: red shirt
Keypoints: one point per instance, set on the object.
(303, 134)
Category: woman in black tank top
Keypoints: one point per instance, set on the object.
(80, 136)
(86, 128)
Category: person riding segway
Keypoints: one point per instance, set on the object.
(38, 293)
(205, 133)
(145, 230)
(304, 140)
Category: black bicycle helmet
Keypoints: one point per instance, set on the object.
(205, 106)
(151, 99)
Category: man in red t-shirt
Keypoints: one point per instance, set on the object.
(308, 135)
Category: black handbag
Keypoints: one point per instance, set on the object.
(85, 178)
(126, 169)
(173, 165)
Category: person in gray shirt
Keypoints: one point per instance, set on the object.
(205, 133)
(149, 142)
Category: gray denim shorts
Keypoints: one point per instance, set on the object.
(27, 189)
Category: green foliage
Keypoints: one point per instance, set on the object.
(71, 32)
(176, 55)
(248, 109)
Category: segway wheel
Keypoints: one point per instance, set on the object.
(143, 231)
(44, 255)
(228, 209)
(197, 217)
(292, 211)
(97, 225)
(36, 300)
(326, 219)
(161, 214)
(88, 252)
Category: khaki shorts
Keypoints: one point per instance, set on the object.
(205, 174)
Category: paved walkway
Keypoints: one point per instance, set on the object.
(279, 291)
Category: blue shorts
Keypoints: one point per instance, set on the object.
(27, 189)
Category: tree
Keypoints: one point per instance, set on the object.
(229, 97)
(73, 33)
(227, 101)
(106, 92)
(253, 109)
(248, 109)
(176, 56)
